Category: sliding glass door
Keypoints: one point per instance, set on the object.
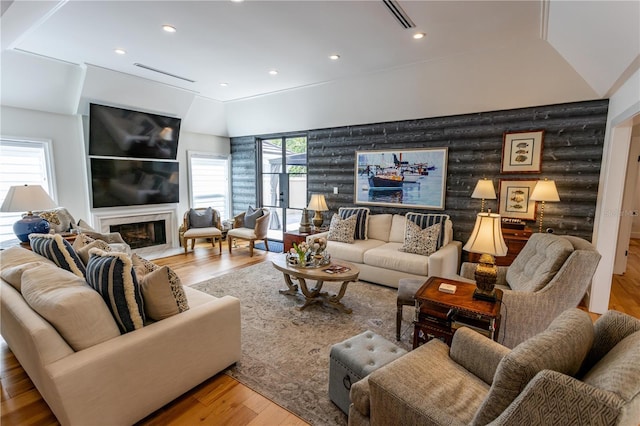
(283, 171)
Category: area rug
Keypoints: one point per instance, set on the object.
(274, 246)
(285, 351)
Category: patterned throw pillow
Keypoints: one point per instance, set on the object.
(425, 220)
(420, 241)
(83, 243)
(111, 274)
(362, 214)
(59, 251)
(342, 229)
(161, 289)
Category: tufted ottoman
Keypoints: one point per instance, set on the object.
(355, 358)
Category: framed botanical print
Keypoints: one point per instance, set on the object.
(522, 152)
(515, 201)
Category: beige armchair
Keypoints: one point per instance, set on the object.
(200, 223)
(551, 274)
(573, 373)
(252, 233)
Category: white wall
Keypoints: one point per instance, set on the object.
(623, 106)
(65, 132)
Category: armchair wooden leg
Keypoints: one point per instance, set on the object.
(220, 244)
(193, 244)
(185, 244)
(266, 244)
(251, 248)
(230, 242)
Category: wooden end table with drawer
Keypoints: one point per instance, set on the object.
(439, 314)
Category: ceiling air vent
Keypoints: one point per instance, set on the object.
(146, 67)
(400, 15)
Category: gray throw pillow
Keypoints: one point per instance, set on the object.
(201, 218)
(251, 216)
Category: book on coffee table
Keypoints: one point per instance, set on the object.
(336, 269)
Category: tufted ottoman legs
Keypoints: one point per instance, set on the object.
(355, 358)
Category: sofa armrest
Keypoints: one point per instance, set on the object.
(444, 262)
(556, 398)
(476, 353)
(143, 370)
(360, 396)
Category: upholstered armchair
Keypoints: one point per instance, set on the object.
(251, 227)
(573, 373)
(201, 223)
(551, 274)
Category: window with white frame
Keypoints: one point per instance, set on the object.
(209, 182)
(23, 162)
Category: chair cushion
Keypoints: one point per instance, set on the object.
(200, 218)
(342, 230)
(421, 241)
(426, 220)
(242, 233)
(608, 330)
(619, 370)
(562, 347)
(362, 214)
(538, 262)
(73, 308)
(202, 232)
(111, 274)
(352, 252)
(418, 387)
(58, 250)
(251, 216)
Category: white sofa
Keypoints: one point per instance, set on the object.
(125, 378)
(379, 259)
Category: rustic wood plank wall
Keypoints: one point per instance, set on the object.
(573, 142)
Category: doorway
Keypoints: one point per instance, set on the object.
(283, 189)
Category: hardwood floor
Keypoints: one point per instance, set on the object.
(221, 399)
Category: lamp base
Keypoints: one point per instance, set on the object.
(482, 295)
(30, 224)
(317, 219)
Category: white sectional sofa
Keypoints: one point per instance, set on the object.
(379, 259)
(124, 378)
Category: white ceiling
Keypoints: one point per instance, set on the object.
(477, 55)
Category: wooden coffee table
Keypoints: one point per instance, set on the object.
(315, 294)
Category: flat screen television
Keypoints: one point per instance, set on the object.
(119, 132)
(119, 182)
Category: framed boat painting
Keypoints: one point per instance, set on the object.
(515, 201)
(413, 178)
(522, 152)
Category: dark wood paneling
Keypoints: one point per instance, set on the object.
(574, 137)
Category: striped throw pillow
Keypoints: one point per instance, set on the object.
(362, 220)
(425, 220)
(111, 274)
(59, 251)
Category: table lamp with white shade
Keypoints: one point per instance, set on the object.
(486, 240)
(485, 190)
(545, 190)
(28, 198)
(318, 205)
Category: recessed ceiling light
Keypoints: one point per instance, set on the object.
(334, 57)
(224, 84)
(237, 1)
(169, 28)
(273, 72)
(418, 36)
(120, 51)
